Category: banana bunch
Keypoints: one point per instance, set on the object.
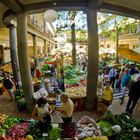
(8, 68)
(2, 118)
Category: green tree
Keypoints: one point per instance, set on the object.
(74, 21)
(112, 26)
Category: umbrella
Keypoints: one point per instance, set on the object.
(130, 54)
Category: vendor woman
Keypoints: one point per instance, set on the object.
(41, 112)
(107, 95)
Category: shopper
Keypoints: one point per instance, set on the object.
(41, 112)
(132, 69)
(100, 81)
(134, 95)
(9, 85)
(105, 77)
(121, 74)
(66, 108)
(38, 73)
(112, 76)
(32, 67)
(126, 79)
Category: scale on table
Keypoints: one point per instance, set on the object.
(58, 100)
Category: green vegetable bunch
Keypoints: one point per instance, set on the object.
(54, 134)
(124, 136)
(105, 128)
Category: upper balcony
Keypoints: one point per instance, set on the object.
(33, 22)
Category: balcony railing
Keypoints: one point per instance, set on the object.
(128, 32)
(40, 28)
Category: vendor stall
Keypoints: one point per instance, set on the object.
(112, 127)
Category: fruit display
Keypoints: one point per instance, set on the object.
(7, 68)
(79, 91)
(2, 118)
(35, 80)
(29, 137)
(9, 122)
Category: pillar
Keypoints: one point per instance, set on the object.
(73, 40)
(50, 48)
(13, 52)
(35, 50)
(24, 60)
(45, 48)
(93, 59)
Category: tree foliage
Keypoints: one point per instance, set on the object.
(67, 18)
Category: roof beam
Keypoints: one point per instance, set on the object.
(14, 5)
(57, 5)
(120, 10)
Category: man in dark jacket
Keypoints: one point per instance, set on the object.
(134, 95)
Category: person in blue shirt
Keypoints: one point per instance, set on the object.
(112, 76)
(124, 84)
(132, 69)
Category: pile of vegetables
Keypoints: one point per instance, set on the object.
(97, 138)
(122, 127)
(54, 134)
(18, 131)
(106, 128)
(1, 78)
(21, 104)
(8, 123)
(45, 67)
(35, 131)
(72, 74)
(19, 94)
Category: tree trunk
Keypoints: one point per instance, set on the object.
(73, 40)
(117, 45)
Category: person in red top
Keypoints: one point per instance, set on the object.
(121, 74)
(38, 73)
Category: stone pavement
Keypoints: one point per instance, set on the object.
(9, 108)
